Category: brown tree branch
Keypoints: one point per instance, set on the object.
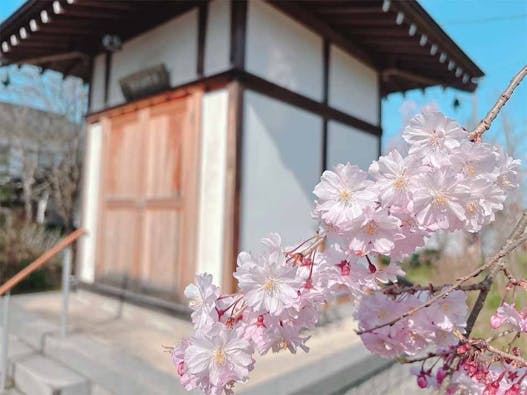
(485, 123)
(480, 302)
(396, 289)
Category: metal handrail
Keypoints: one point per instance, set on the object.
(40, 261)
(6, 288)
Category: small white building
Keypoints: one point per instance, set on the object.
(210, 122)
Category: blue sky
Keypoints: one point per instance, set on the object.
(493, 33)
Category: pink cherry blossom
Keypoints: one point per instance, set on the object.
(449, 313)
(413, 235)
(202, 298)
(268, 282)
(395, 177)
(376, 232)
(219, 357)
(439, 202)
(507, 170)
(342, 194)
(432, 137)
(473, 160)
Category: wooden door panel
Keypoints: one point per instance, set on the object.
(123, 167)
(120, 236)
(160, 249)
(164, 143)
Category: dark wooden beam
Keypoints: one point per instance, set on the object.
(238, 33)
(74, 11)
(202, 29)
(381, 22)
(325, 99)
(260, 85)
(56, 57)
(366, 32)
(107, 5)
(91, 70)
(107, 75)
(348, 10)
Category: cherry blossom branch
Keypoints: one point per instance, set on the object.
(482, 344)
(487, 283)
(516, 239)
(485, 123)
(396, 289)
(480, 302)
(423, 358)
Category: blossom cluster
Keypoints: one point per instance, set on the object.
(428, 330)
(445, 182)
(471, 373)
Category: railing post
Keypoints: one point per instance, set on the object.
(5, 341)
(66, 271)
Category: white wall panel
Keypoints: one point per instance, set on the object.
(217, 37)
(173, 43)
(90, 203)
(347, 144)
(281, 165)
(353, 86)
(283, 51)
(212, 183)
(97, 86)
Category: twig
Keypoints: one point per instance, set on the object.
(396, 289)
(498, 335)
(423, 358)
(512, 242)
(484, 345)
(485, 123)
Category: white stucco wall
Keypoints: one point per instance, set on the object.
(347, 144)
(212, 183)
(218, 37)
(97, 87)
(173, 43)
(281, 164)
(353, 86)
(283, 51)
(90, 200)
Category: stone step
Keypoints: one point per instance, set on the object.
(16, 350)
(40, 375)
(113, 369)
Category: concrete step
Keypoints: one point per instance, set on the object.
(16, 350)
(111, 368)
(39, 375)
